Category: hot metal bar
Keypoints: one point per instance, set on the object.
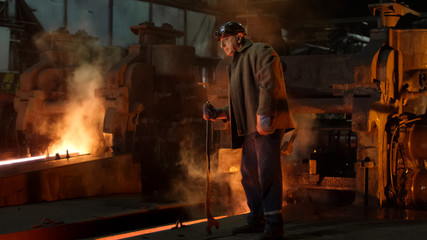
(37, 158)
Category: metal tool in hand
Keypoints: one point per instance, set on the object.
(211, 220)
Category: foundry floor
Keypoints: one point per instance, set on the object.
(315, 221)
(302, 221)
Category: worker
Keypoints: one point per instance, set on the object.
(258, 113)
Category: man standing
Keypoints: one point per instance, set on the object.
(259, 116)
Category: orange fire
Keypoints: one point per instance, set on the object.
(79, 129)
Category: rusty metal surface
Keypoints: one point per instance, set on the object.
(68, 178)
(172, 60)
(337, 183)
(314, 181)
(153, 84)
(417, 145)
(319, 105)
(42, 164)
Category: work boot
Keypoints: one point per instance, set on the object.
(257, 227)
(273, 228)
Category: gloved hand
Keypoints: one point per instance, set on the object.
(264, 124)
(210, 112)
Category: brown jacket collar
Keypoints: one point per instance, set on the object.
(247, 43)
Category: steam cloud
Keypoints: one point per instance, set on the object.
(302, 145)
(78, 128)
(227, 191)
(81, 125)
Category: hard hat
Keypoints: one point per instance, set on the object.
(230, 28)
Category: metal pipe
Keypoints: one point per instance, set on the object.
(66, 14)
(185, 27)
(150, 11)
(110, 22)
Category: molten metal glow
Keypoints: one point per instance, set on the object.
(21, 160)
(79, 127)
(31, 159)
(153, 230)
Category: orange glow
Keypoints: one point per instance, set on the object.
(154, 230)
(233, 169)
(71, 144)
(21, 160)
(31, 159)
(79, 128)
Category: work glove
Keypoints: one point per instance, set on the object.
(210, 112)
(264, 124)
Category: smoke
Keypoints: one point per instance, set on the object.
(302, 148)
(305, 138)
(226, 189)
(189, 184)
(236, 202)
(75, 124)
(80, 127)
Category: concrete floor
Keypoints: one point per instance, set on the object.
(93, 216)
(78, 218)
(316, 221)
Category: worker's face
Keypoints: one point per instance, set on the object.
(231, 44)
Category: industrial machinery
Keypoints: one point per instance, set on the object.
(141, 80)
(48, 88)
(390, 121)
(7, 113)
(397, 120)
(361, 115)
(360, 110)
(153, 105)
(17, 26)
(59, 127)
(139, 117)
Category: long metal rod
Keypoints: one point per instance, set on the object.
(37, 158)
(211, 219)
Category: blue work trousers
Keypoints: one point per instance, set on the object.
(262, 177)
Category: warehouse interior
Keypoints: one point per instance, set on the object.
(103, 100)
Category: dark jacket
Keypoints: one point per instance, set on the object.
(256, 87)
